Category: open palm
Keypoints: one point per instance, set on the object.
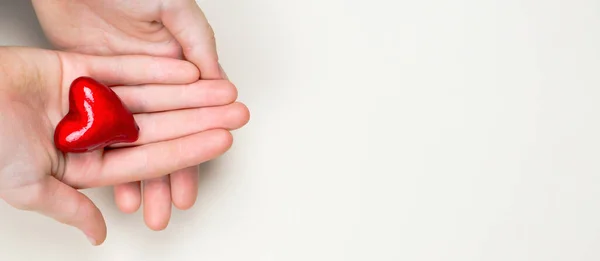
(34, 98)
(165, 28)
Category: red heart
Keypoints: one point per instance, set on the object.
(97, 118)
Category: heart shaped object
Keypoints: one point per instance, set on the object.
(97, 118)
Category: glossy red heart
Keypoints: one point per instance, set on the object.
(97, 118)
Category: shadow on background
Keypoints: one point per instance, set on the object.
(20, 23)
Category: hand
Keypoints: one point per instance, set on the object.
(166, 28)
(34, 87)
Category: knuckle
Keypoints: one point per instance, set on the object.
(136, 101)
(80, 209)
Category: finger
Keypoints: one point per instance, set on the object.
(156, 159)
(187, 23)
(128, 196)
(66, 205)
(153, 98)
(223, 73)
(139, 69)
(161, 126)
(184, 187)
(157, 202)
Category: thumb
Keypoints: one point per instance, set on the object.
(69, 206)
(223, 73)
(188, 24)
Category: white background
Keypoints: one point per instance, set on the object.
(381, 130)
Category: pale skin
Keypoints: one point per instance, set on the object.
(178, 115)
(165, 28)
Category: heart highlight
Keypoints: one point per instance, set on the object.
(97, 118)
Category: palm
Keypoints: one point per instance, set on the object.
(32, 109)
(29, 137)
(107, 27)
(24, 154)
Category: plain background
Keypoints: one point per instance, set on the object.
(381, 130)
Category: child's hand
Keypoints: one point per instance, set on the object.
(34, 84)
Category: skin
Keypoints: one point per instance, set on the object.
(165, 28)
(34, 85)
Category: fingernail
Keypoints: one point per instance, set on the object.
(92, 240)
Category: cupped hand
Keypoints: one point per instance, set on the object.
(165, 28)
(184, 120)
